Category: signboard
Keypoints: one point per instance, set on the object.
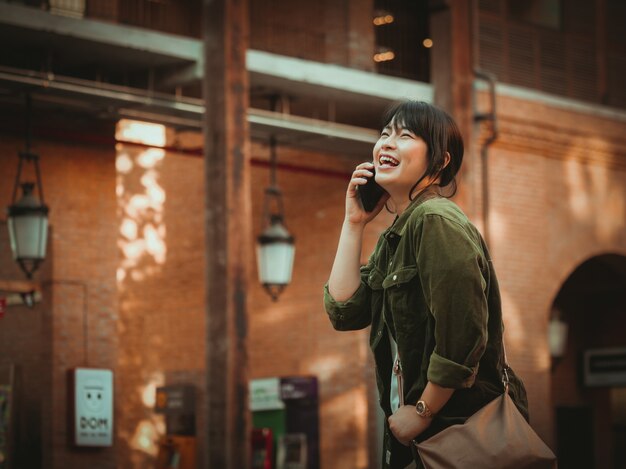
(265, 394)
(92, 406)
(298, 387)
(177, 399)
(605, 367)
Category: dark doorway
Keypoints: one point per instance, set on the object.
(574, 426)
(589, 415)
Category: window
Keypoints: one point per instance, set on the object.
(546, 13)
(402, 40)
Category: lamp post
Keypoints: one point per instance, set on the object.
(28, 217)
(275, 245)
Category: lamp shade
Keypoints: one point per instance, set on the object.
(28, 229)
(275, 254)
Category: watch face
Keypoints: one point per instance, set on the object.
(420, 407)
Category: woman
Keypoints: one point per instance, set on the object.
(429, 291)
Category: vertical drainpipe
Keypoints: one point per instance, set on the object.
(492, 117)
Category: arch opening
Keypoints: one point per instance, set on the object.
(589, 393)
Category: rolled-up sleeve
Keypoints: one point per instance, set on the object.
(449, 266)
(353, 313)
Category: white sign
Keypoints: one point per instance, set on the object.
(265, 394)
(93, 407)
(605, 367)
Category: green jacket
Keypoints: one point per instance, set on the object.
(431, 283)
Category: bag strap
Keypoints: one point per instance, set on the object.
(505, 367)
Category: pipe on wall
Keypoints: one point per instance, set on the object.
(491, 117)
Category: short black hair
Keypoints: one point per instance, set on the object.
(441, 134)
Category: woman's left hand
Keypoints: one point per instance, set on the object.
(405, 424)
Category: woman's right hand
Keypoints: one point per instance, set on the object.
(355, 214)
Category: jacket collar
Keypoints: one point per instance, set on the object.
(399, 224)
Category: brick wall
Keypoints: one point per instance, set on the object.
(61, 333)
(161, 290)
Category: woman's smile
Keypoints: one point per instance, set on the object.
(387, 161)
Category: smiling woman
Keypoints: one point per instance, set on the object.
(429, 292)
(426, 144)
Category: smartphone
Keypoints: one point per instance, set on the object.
(370, 193)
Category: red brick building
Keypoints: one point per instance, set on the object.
(123, 284)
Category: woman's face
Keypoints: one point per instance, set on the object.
(400, 159)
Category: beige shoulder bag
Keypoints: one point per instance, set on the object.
(495, 437)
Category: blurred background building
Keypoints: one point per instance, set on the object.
(116, 118)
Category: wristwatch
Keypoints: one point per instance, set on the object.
(423, 410)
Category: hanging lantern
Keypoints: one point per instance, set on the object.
(557, 337)
(275, 245)
(28, 217)
(28, 230)
(275, 254)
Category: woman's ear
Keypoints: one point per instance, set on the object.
(446, 159)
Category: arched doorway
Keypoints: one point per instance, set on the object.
(590, 401)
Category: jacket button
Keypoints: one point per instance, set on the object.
(395, 277)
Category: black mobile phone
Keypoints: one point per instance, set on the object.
(370, 193)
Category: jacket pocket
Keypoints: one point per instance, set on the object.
(400, 288)
(405, 298)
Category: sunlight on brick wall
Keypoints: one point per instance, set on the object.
(140, 200)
